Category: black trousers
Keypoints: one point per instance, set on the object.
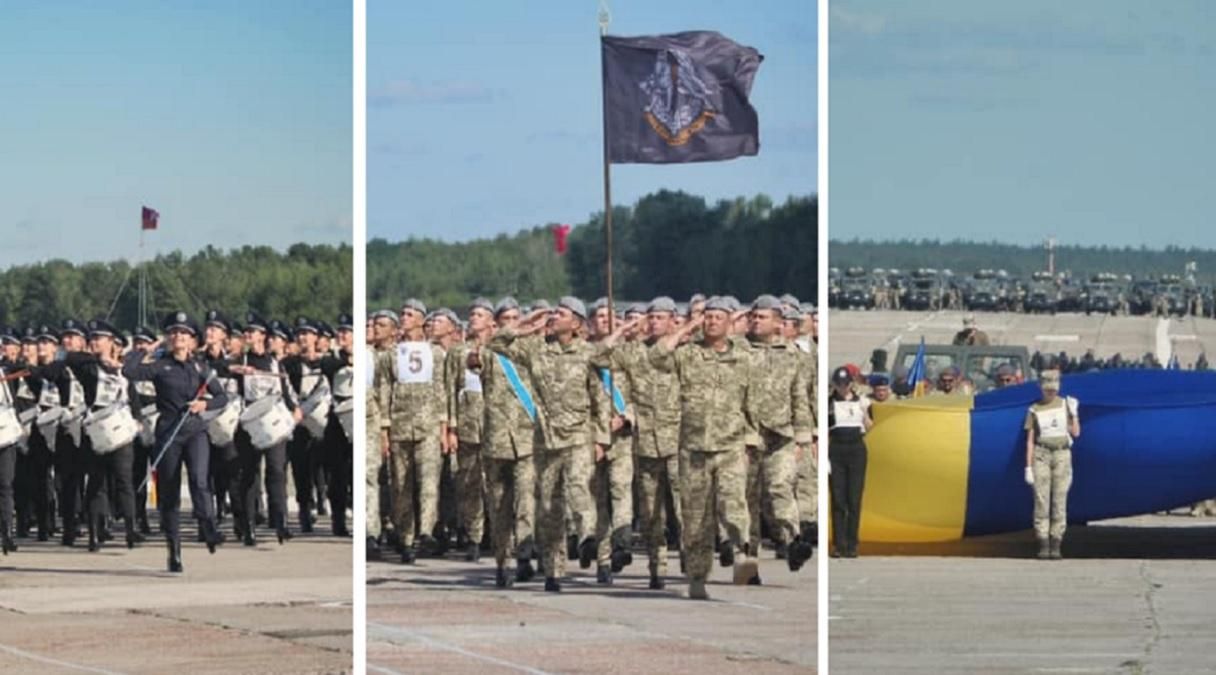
(195, 452)
(339, 463)
(251, 470)
(70, 469)
(847, 481)
(225, 465)
(8, 471)
(41, 481)
(303, 454)
(141, 455)
(115, 467)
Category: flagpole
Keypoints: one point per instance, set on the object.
(604, 19)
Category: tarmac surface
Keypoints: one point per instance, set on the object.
(268, 609)
(855, 334)
(447, 616)
(1131, 596)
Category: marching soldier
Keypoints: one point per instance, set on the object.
(143, 397)
(783, 410)
(381, 335)
(409, 378)
(221, 429)
(714, 373)
(307, 373)
(573, 418)
(612, 480)
(466, 411)
(507, 440)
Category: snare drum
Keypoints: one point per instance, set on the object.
(111, 427)
(268, 422)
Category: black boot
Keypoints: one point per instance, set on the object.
(249, 536)
(726, 554)
(552, 585)
(133, 535)
(587, 552)
(504, 577)
(473, 552)
(524, 572)
(338, 525)
(462, 539)
(175, 554)
(373, 549)
(212, 535)
(6, 540)
(94, 532)
(657, 583)
(281, 529)
(621, 558)
(603, 575)
(572, 547)
(305, 520)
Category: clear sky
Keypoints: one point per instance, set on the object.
(231, 118)
(485, 117)
(1092, 121)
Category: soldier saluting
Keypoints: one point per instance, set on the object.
(180, 379)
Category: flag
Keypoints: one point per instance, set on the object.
(560, 232)
(678, 98)
(149, 217)
(916, 374)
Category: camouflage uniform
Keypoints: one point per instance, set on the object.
(1052, 469)
(806, 488)
(372, 452)
(466, 409)
(416, 411)
(573, 415)
(656, 426)
(783, 421)
(507, 438)
(715, 425)
(612, 482)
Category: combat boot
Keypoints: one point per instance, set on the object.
(799, 552)
(504, 577)
(744, 570)
(696, 589)
(621, 558)
(572, 547)
(175, 555)
(657, 583)
(726, 554)
(473, 552)
(6, 540)
(133, 535)
(552, 585)
(586, 552)
(524, 572)
(425, 546)
(1054, 548)
(462, 539)
(603, 575)
(1044, 550)
(407, 555)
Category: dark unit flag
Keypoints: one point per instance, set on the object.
(149, 218)
(678, 98)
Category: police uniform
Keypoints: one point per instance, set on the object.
(70, 461)
(143, 398)
(848, 457)
(10, 441)
(305, 450)
(338, 456)
(225, 462)
(179, 382)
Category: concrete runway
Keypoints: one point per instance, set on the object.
(854, 334)
(269, 609)
(1131, 596)
(446, 616)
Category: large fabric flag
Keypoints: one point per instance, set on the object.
(149, 218)
(679, 98)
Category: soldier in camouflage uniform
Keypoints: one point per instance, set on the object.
(656, 423)
(612, 481)
(806, 488)
(409, 379)
(1051, 425)
(507, 438)
(782, 406)
(465, 415)
(714, 373)
(573, 418)
(381, 329)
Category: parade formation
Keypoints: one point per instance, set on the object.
(556, 433)
(95, 423)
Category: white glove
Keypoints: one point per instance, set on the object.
(1029, 476)
(1072, 405)
(827, 466)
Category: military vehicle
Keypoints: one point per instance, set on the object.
(1140, 296)
(856, 289)
(1171, 295)
(978, 364)
(1042, 294)
(925, 291)
(985, 291)
(1102, 294)
(833, 287)
(1072, 296)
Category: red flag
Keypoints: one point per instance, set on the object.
(560, 232)
(150, 217)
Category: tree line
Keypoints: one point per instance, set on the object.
(965, 257)
(306, 279)
(668, 243)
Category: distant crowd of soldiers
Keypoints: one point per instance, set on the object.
(567, 429)
(91, 417)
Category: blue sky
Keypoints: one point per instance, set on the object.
(231, 118)
(1014, 121)
(485, 117)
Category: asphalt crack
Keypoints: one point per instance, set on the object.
(1150, 590)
